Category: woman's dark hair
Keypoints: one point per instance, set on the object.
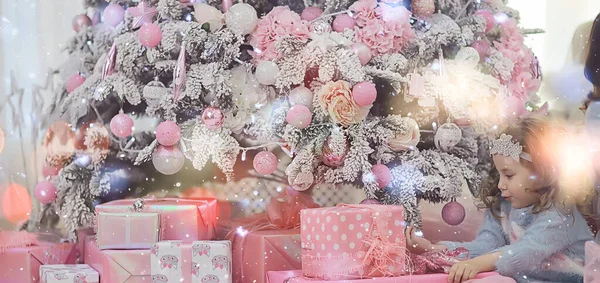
(592, 63)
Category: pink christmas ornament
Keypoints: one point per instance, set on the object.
(364, 93)
(265, 162)
(363, 52)
(299, 116)
(383, 175)
(179, 74)
(311, 13)
(121, 125)
(142, 13)
(96, 18)
(80, 22)
(168, 160)
(212, 117)
(109, 64)
(150, 35)
(331, 158)
(74, 82)
(423, 8)
(113, 14)
(453, 213)
(302, 181)
(343, 22)
(488, 16)
(226, 4)
(483, 48)
(369, 201)
(50, 171)
(45, 192)
(168, 133)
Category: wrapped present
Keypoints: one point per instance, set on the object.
(353, 242)
(203, 262)
(181, 219)
(22, 254)
(82, 234)
(76, 273)
(127, 230)
(295, 276)
(118, 265)
(591, 272)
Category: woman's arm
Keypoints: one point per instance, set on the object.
(468, 269)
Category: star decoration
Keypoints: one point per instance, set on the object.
(142, 13)
(17, 110)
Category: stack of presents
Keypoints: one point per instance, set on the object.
(181, 240)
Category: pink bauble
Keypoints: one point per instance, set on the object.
(45, 192)
(363, 52)
(74, 81)
(50, 171)
(453, 213)
(168, 160)
(383, 175)
(80, 22)
(96, 18)
(121, 125)
(113, 14)
(331, 158)
(299, 116)
(488, 16)
(265, 162)
(168, 133)
(302, 182)
(343, 22)
(369, 201)
(149, 35)
(513, 107)
(311, 13)
(364, 93)
(212, 117)
(483, 48)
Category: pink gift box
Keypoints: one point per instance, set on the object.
(76, 273)
(295, 276)
(136, 230)
(182, 219)
(23, 264)
(592, 263)
(353, 241)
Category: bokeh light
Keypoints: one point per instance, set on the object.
(16, 203)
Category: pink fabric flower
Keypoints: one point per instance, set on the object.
(336, 99)
(397, 14)
(376, 36)
(278, 23)
(364, 10)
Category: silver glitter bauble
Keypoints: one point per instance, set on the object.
(447, 136)
(320, 27)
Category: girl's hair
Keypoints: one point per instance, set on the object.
(540, 140)
(592, 62)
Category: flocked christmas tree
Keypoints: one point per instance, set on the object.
(397, 98)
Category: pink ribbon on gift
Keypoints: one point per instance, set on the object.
(437, 261)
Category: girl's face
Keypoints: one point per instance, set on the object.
(518, 184)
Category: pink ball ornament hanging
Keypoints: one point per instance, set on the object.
(364, 93)
(113, 14)
(299, 116)
(369, 201)
(96, 18)
(382, 174)
(212, 117)
(50, 171)
(363, 52)
(79, 22)
(168, 133)
(453, 213)
(311, 13)
(265, 162)
(45, 192)
(74, 81)
(121, 125)
(343, 22)
(168, 160)
(488, 16)
(150, 35)
(331, 158)
(483, 48)
(423, 8)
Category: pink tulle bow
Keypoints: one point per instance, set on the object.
(438, 261)
(16, 239)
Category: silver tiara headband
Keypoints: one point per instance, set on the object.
(505, 146)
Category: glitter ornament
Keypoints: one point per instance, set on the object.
(168, 160)
(212, 117)
(363, 52)
(121, 125)
(301, 182)
(149, 35)
(241, 18)
(382, 174)
(311, 13)
(299, 116)
(45, 192)
(16, 204)
(447, 136)
(109, 62)
(74, 82)
(453, 213)
(49, 170)
(266, 72)
(364, 93)
(168, 133)
(301, 95)
(113, 14)
(205, 13)
(80, 22)
(488, 16)
(423, 8)
(332, 158)
(179, 74)
(369, 201)
(320, 27)
(343, 22)
(265, 162)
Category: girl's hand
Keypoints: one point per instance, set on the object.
(463, 271)
(414, 243)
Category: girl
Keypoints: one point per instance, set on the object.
(530, 233)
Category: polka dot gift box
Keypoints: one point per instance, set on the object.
(353, 242)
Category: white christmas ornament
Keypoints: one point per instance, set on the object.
(241, 18)
(208, 14)
(266, 72)
(301, 95)
(447, 136)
